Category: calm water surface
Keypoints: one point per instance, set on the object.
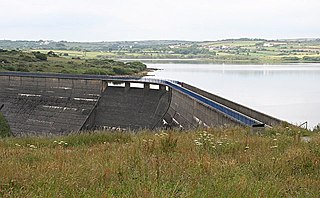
(288, 92)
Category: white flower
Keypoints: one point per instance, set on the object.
(33, 146)
(18, 145)
(275, 146)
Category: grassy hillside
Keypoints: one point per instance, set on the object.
(51, 62)
(213, 163)
(243, 50)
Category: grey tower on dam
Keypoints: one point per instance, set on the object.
(54, 104)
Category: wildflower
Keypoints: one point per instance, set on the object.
(55, 141)
(156, 134)
(275, 139)
(32, 146)
(66, 143)
(247, 147)
(275, 146)
(18, 145)
(199, 144)
(213, 146)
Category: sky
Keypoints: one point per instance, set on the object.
(118, 20)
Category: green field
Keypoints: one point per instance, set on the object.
(204, 163)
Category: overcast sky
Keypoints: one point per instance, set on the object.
(110, 20)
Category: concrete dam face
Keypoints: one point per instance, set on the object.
(56, 104)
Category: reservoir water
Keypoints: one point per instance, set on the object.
(289, 92)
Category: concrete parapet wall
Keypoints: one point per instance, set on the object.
(264, 118)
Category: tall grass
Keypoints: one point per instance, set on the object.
(205, 163)
(4, 127)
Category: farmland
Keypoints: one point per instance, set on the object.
(255, 51)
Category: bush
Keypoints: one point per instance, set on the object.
(294, 58)
(311, 59)
(4, 127)
(52, 54)
(136, 65)
(23, 69)
(40, 56)
(121, 70)
(95, 71)
(9, 68)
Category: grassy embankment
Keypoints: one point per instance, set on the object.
(213, 163)
(52, 63)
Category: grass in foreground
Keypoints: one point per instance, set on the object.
(4, 127)
(213, 163)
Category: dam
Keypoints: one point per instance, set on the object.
(36, 104)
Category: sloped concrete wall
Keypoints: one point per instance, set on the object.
(36, 106)
(189, 113)
(131, 108)
(44, 106)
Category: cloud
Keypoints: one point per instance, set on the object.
(158, 19)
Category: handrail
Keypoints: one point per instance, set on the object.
(87, 77)
(304, 124)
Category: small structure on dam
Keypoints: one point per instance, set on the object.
(55, 104)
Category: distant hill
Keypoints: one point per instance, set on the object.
(243, 50)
